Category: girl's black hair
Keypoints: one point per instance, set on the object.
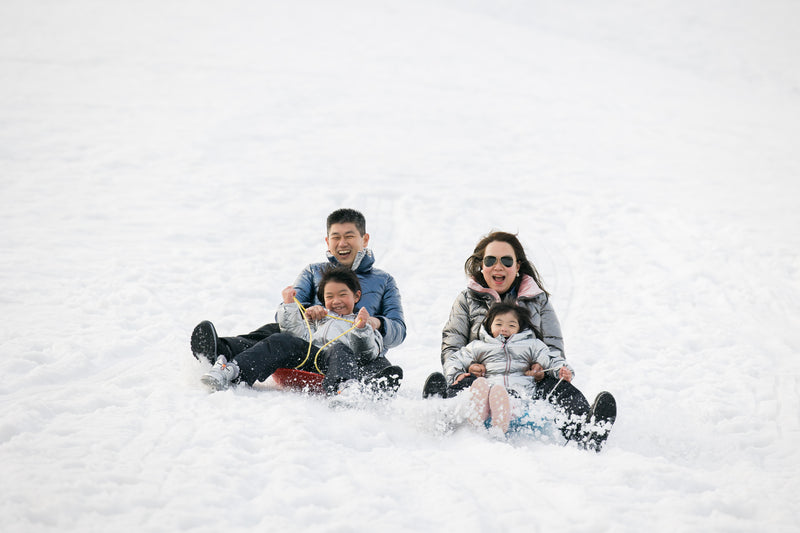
(508, 306)
(340, 274)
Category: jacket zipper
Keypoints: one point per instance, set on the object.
(508, 363)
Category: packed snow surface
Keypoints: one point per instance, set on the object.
(166, 162)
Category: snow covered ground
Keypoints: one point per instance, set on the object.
(165, 162)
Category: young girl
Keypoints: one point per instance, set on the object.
(341, 360)
(505, 356)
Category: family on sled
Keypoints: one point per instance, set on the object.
(501, 346)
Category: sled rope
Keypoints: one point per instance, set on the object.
(557, 384)
(554, 389)
(311, 336)
(340, 318)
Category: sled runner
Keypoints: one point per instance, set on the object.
(291, 378)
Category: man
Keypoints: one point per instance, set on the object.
(347, 241)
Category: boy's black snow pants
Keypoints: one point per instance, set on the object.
(231, 347)
(282, 350)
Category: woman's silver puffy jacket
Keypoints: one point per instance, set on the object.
(506, 359)
(470, 308)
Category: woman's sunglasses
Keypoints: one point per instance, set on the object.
(507, 261)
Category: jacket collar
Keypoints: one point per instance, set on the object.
(527, 288)
(487, 337)
(362, 263)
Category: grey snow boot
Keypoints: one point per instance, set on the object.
(221, 375)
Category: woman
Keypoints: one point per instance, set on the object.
(498, 270)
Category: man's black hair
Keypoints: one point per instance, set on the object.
(345, 216)
(340, 274)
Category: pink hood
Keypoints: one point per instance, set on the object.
(527, 288)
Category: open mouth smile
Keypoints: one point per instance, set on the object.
(338, 309)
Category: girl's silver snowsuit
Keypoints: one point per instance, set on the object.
(506, 359)
(366, 343)
(472, 304)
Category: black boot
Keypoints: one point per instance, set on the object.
(204, 341)
(387, 381)
(600, 419)
(435, 385)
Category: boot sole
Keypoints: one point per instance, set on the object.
(204, 342)
(387, 380)
(435, 385)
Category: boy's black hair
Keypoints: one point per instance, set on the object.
(345, 216)
(507, 306)
(340, 274)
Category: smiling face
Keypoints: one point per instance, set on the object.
(339, 298)
(344, 242)
(499, 276)
(505, 324)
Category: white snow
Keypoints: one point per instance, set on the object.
(165, 162)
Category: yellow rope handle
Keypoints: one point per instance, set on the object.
(311, 336)
(329, 342)
(341, 318)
